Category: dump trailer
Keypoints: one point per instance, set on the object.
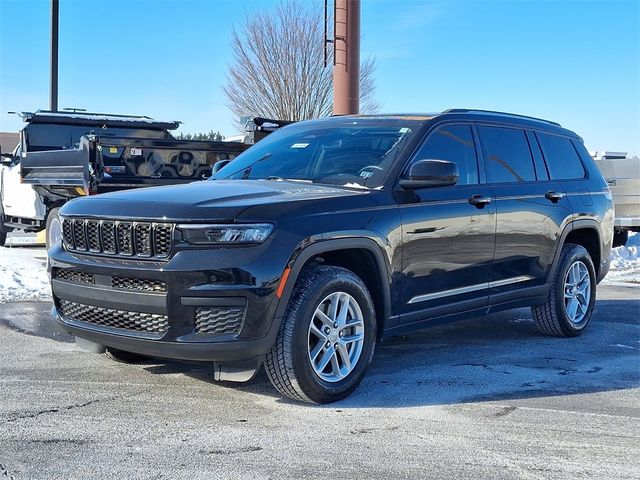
(623, 176)
(63, 155)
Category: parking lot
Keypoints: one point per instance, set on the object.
(488, 397)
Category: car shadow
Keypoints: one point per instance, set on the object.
(496, 357)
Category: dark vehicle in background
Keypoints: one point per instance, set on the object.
(63, 155)
(332, 234)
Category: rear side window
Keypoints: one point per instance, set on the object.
(507, 155)
(455, 144)
(562, 159)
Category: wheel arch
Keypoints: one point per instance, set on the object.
(346, 252)
(584, 232)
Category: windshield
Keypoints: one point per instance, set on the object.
(354, 153)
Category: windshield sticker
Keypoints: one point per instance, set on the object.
(300, 145)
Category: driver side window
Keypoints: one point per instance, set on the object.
(455, 144)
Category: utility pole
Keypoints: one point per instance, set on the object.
(346, 66)
(53, 81)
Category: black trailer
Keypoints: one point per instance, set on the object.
(64, 155)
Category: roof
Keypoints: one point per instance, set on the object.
(478, 115)
(97, 120)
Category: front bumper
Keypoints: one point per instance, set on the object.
(201, 305)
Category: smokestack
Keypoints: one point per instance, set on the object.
(53, 82)
(346, 67)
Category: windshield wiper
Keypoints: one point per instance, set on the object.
(275, 178)
(247, 171)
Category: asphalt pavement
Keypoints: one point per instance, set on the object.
(484, 398)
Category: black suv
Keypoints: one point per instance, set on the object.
(331, 234)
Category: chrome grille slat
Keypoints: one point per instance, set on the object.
(120, 238)
(142, 239)
(79, 235)
(108, 237)
(67, 234)
(93, 235)
(162, 239)
(124, 238)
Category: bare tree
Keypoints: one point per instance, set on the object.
(278, 70)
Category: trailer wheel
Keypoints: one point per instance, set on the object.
(620, 238)
(54, 228)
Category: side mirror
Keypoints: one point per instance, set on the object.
(219, 166)
(430, 173)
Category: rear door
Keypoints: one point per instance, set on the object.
(448, 241)
(531, 209)
(564, 165)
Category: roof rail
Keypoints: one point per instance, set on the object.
(493, 112)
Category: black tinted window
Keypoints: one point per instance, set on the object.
(455, 144)
(562, 159)
(507, 155)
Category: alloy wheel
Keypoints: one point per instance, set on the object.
(336, 337)
(577, 292)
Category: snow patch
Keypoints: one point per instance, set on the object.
(625, 262)
(23, 275)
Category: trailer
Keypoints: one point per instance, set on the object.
(63, 155)
(623, 177)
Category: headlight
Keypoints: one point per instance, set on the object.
(225, 234)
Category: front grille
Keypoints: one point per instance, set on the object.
(73, 276)
(219, 320)
(130, 239)
(121, 319)
(124, 283)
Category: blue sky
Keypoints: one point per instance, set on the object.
(576, 62)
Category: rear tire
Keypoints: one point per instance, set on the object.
(121, 356)
(620, 238)
(3, 236)
(54, 228)
(326, 339)
(569, 307)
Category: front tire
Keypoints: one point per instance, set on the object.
(569, 307)
(326, 339)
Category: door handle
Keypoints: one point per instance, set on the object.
(479, 201)
(554, 197)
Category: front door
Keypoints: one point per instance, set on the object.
(448, 233)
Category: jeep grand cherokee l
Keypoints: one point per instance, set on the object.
(331, 234)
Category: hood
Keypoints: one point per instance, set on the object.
(217, 200)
